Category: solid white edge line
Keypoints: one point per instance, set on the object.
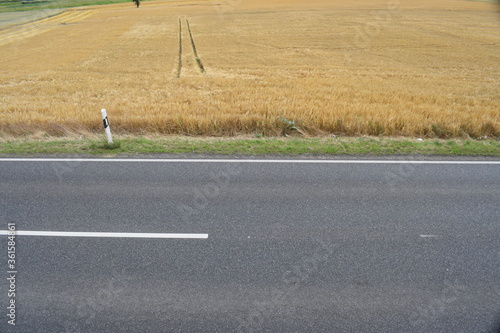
(120, 160)
(103, 234)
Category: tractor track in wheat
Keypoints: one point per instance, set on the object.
(179, 64)
(195, 52)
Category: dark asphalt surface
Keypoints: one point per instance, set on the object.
(291, 247)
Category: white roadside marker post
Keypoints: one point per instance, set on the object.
(106, 126)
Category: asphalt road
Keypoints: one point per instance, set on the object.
(291, 247)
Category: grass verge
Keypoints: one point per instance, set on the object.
(250, 146)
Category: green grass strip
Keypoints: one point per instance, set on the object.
(254, 146)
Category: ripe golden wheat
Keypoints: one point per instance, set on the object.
(331, 67)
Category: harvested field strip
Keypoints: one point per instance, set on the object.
(31, 29)
(79, 17)
(195, 52)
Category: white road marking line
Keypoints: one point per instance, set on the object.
(429, 236)
(103, 234)
(152, 160)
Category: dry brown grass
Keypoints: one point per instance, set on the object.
(426, 68)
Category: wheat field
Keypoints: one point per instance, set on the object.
(428, 68)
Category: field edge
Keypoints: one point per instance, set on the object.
(258, 146)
